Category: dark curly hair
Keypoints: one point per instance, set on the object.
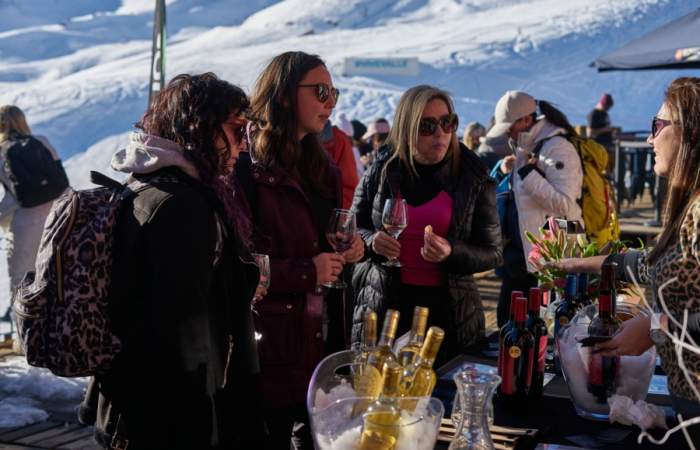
(190, 111)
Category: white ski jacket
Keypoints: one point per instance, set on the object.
(553, 188)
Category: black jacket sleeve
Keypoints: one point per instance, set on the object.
(362, 205)
(483, 251)
(176, 372)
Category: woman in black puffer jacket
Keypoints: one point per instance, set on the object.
(447, 187)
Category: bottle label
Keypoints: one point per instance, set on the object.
(541, 353)
(595, 370)
(508, 379)
(530, 364)
(367, 381)
(514, 352)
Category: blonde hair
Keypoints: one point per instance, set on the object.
(471, 128)
(12, 120)
(403, 137)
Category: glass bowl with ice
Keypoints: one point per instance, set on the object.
(593, 379)
(340, 419)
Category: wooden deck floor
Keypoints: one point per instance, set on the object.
(48, 435)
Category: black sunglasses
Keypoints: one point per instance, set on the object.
(428, 126)
(240, 130)
(323, 91)
(657, 125)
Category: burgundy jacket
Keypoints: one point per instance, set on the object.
(290, 316)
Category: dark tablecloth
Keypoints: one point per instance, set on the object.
(555, 417)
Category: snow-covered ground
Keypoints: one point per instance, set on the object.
(79, 68)
(29, 395)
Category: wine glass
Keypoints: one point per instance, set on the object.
(263, 263)
(340, 234)
(394, 219)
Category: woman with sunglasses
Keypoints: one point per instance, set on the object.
(675, 261)
(182, 281)
(452, 229)
(296, 188)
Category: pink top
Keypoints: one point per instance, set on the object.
(438, 213)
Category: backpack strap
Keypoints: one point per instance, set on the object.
(538, 148)
(105, 181)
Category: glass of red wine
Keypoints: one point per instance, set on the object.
(263, 263)
(340, 234)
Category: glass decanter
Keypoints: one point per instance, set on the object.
(475, 389)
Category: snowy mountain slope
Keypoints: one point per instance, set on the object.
(79, 68)
(82, 75)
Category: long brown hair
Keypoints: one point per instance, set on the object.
(683, 102)
(190, 111)
(556, 117)
(403, 138)
(274, 111)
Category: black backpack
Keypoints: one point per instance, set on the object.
(35, 176)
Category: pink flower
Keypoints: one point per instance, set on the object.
(560, 282)
(553, 226)
(535, 257)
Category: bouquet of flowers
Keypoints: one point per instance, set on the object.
(554, 245)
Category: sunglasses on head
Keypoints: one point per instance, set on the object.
(323, 91)
(428, 125)
(657, 125)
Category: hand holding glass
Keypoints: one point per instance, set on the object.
(340, 234)
(394, 219)
(263, 263)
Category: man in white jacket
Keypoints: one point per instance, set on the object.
(546, 176)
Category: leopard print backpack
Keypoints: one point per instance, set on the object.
(61, 309)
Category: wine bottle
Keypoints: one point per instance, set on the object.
(409, 352)
(567, 308)
(505, 329)
(602, 370)
(418, 380)
(380, 429)
(517, 355)
(607, 280)
(538, 329)
(382, 352)
(367, 379)
(582, 285)
(369, 337)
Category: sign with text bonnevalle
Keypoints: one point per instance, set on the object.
(382, 66)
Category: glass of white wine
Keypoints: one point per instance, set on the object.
(394, 219)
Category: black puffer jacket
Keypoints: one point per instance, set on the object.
(474, 233)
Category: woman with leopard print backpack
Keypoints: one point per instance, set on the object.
(182, 282)
(673, 266)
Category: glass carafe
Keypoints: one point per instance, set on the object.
(475, 389)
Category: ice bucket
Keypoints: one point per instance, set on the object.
(336, 412)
